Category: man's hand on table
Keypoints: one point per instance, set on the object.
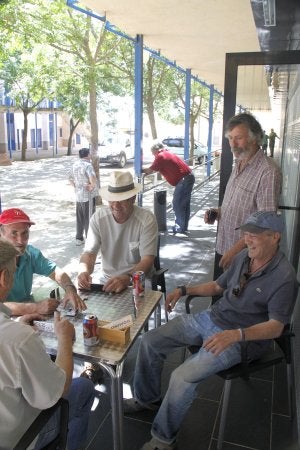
(29, 318)
(63, 328)
(47, 306)
(84, 280)
(72, 298)
(117, 284)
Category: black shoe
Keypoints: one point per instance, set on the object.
(131, 405)
(93, 372)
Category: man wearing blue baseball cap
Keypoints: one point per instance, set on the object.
(258, 292)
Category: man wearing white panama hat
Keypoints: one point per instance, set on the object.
(124, 233)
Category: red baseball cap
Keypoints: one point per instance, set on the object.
(14, 215)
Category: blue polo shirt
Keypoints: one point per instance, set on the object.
(33, 261)
(270, 293)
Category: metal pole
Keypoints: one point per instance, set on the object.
(138, 110)
(187, 114)
(210, 126)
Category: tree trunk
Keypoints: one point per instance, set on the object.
(94, 131)
(72, 130)
(24, 137)
(192, 138)
(151, 116)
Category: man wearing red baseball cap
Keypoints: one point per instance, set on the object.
(14, 228)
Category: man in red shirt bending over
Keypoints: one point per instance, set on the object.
(178, 174)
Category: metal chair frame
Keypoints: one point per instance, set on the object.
(158, 283)
(60, 441)
(244, 369)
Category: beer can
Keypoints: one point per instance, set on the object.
(138, 284)
(90, 324)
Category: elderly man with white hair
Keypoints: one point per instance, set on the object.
(258, 293)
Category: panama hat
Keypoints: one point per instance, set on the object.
(121, 187)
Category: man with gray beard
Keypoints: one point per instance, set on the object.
(254, 185)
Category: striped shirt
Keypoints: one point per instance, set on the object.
(81, 173)
(255, 188)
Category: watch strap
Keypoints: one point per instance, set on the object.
(182, 289)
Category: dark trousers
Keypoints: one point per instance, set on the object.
(83, 212)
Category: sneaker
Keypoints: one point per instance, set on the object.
(131, 405)
(155, 444)
(79, 242)
(93, 372)
(176, 230)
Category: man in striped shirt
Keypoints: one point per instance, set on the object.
(254, 185)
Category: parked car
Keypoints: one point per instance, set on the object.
(115, 153)
(176, 146)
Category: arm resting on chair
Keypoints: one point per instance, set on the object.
(199, 290)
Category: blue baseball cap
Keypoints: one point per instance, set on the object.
(261, 221)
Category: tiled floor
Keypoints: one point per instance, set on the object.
(258, 409)
(257, 416)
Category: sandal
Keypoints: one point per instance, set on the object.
(93, 372)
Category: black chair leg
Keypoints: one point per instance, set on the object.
(290, 389)
(224, 409)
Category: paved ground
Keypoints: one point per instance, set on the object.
(41, 188)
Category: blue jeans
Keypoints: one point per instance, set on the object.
(80, 396)
(155, 346)
(182, 201)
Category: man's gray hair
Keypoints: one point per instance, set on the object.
(8, 254)
(247, 119)
(156, 145)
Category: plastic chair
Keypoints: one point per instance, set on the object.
(282, 351)
(61, 439)
(158, 283)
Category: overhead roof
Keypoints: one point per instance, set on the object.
(197, 34)
(194, 33)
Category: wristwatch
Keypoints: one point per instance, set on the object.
(182, 289)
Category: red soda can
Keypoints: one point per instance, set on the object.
(138, 284)
(90, 324)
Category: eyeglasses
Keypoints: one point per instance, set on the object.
(237, 291)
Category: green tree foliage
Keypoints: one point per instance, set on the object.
(82, 49)
(27, 79)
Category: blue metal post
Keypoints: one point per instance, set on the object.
(138, 110)
(210, 126)
(187, 113)
(9, 137)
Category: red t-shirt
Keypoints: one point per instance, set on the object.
(170, 166)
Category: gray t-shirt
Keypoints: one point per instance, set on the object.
(121, 245)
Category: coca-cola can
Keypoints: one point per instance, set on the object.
(138, 284)
(90, 325)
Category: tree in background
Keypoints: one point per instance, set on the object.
(26, 77)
